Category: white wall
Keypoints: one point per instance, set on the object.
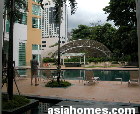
(20, 35)
(47, 50)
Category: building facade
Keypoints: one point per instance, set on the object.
(50, 29)
(33, 46)
(19, 44)
(36, 32)
(19, 40)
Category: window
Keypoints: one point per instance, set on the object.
(36, 58)
(7, 26)
(43, 41)
(46, 4)
(36, 1)
(63, 41)
(36, 10)
(36, 23)
(43, 45)
(39, 47)
(22, 54)
(34, 47)
(24, 19)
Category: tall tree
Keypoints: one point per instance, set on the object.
(123, 13)
(14, 9)
(58, 15)
(82, 32)
(20, 7)
(102, 33)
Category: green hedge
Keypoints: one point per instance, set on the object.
(102, 59)
(46, 60)
(74, 59)
(16, 102)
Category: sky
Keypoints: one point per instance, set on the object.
(88, 11)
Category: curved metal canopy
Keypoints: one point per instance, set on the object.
(91, 48)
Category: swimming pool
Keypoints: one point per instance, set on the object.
(73, 74)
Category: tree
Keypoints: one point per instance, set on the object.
(123, 13)
(20, 7)
(58, 15)
(14, 8)
(101, 33)
(82, 32)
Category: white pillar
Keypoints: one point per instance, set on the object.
(63, 61)
(138, 30)
(84, 59)
(38, 55)
(80, 60)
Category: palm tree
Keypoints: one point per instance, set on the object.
(19, 8)
(14, 10)
(58, 13)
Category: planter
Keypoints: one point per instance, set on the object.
(30, 106)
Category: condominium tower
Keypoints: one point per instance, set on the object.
(33, 46)
(50, 29)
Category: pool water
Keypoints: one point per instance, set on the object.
(73, 74)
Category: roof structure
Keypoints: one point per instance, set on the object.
(91, 48)
(73, 54)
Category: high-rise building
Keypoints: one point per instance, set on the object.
(19, 39)
(29, 39)
(33, 46)
(50, 29)
(27, 35)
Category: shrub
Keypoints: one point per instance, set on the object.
(56, 84)
(46, 60)
(101, 59)
(16, 102)
(114, 62)
(74, 59)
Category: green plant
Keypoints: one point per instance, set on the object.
(46, 60)
(56, 84)
(73, 59)
(115, 62)
(101, 59)
(16, 102)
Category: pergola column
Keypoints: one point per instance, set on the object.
(84, 59)
(63, 61)
(80, 60)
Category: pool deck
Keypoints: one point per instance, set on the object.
(112, 91)
(94, 68)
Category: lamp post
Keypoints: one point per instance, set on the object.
(10, 72)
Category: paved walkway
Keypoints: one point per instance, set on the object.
(94, 68)
(102, 91)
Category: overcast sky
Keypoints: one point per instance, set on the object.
(88, 11)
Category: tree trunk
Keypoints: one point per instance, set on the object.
(10, 53)
(58, 65)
